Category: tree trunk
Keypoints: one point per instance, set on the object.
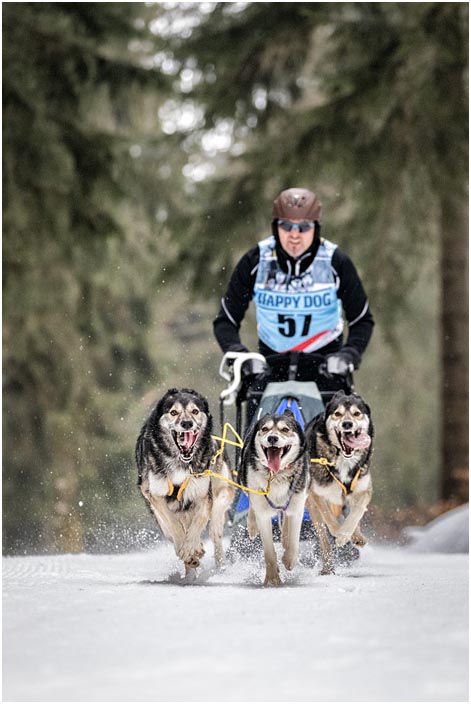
(454, 348)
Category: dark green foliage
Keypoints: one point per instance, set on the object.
(367, 104)
(364, 102)
(75, 348)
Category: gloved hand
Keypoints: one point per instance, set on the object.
(237, 347)
(342, 362)
(251, 367)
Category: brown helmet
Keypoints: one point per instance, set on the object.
(296, 204)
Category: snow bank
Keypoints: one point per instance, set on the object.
(448, 533)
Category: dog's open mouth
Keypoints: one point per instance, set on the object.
(274, 456)
(185, 442)
(349, 442)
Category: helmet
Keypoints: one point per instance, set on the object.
(296, 204)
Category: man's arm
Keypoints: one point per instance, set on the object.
(239, 293)
(355, 304)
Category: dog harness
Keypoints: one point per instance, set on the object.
(171, 488)
(346, 490)
(297, 311)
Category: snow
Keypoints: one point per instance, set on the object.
(392, 627)
(447, 533)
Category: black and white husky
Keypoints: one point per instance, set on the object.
(174, 446)
(341, 438)
(274, 454)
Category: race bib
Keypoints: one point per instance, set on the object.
(297, 313)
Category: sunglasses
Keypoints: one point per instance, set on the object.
(301, 226)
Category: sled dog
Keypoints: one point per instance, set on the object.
(174, 445)
(341, 437)
(274, 451)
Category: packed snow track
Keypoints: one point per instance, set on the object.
(392, 627)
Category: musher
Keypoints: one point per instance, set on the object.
(302, 285)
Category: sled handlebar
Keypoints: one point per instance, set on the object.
(232, 363)
(231, 370)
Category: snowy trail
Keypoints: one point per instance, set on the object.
(393, 627)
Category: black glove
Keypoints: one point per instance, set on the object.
(252, 367)
(343, 361)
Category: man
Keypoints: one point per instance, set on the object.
(302, 286)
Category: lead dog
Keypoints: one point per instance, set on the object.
(175, 444)
(275, 450)
(341, 438)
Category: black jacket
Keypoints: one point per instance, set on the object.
(350, 291)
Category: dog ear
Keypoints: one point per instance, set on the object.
(248, 438)
(289, 413)
(330, 405)
(202, 399)
(159, 407)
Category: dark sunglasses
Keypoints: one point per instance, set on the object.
(301, 226)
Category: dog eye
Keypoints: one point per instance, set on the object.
(337, 414)
(285, 429)
(195, 411)
(265, 429)
(357, 414)
(173, 412)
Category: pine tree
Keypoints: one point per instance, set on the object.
(78, 254)
(368, 100)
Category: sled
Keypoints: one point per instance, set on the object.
(273, 385)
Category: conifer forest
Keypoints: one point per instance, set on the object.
(143, 145)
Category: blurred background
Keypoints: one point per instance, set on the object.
(143, 145)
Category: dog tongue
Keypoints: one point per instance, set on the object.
(274, 459)
(189, 440)
(357, 441)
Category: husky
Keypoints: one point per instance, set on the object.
(274, 456)
(340, 439)
(174, 446)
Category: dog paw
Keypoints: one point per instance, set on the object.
(192, 563)
(327, 569)
(289, 561)
(342, 539)
(190, 553)
(272, 577)
(359, 540)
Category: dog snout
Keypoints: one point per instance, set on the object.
(347, 425)
(272, 439)
(186, 424)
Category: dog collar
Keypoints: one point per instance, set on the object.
(270, 503)
(279, 508)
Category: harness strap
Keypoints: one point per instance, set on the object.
(323, 460)
(224, 441)
(210, 473)
(182, 488)
(326, 463)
